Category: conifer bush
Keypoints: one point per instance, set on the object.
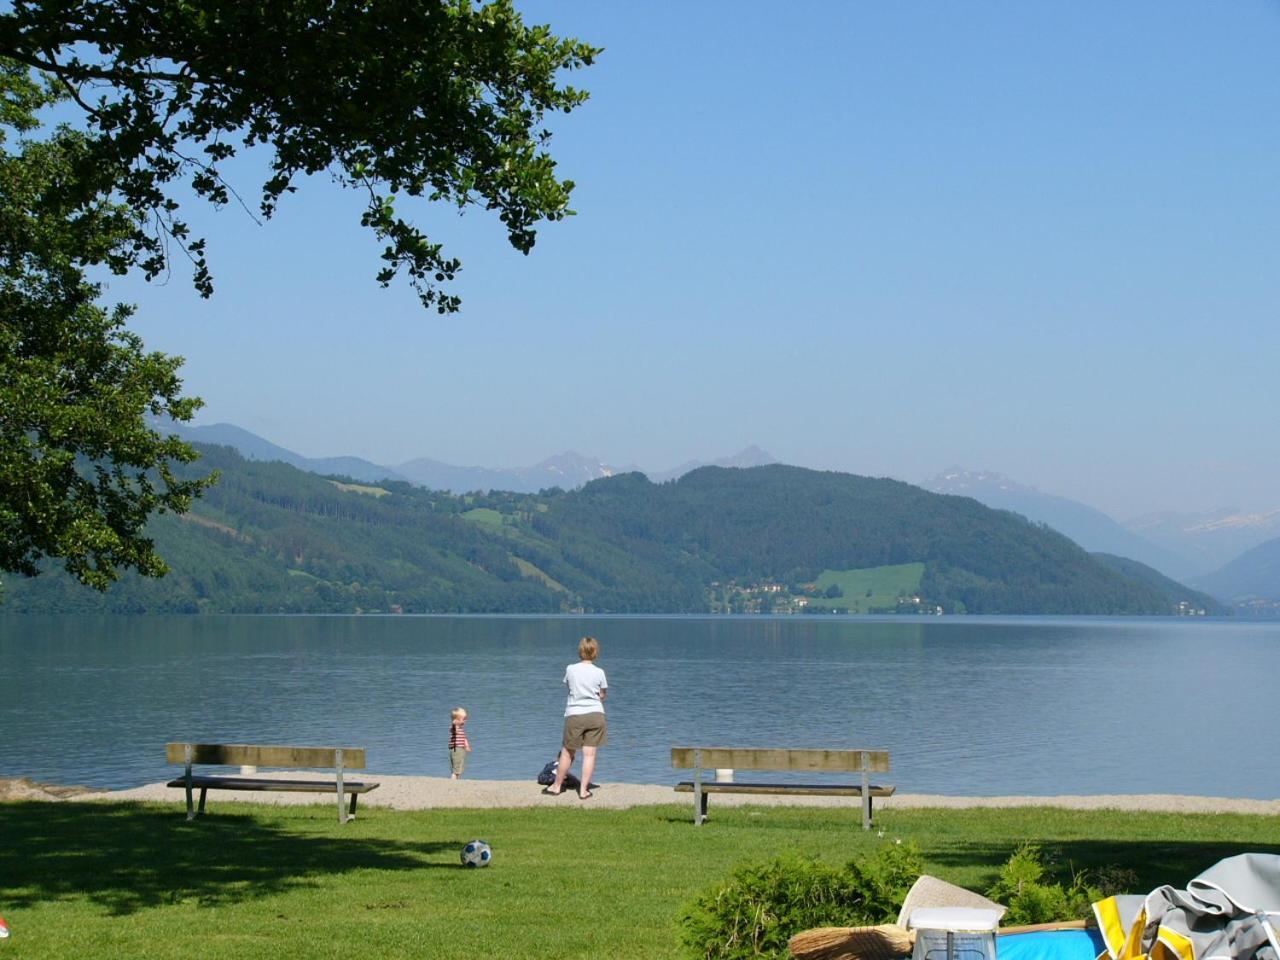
(1026, 887)
(761, 906)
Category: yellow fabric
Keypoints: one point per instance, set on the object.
(1110, 926)
(1127, 944)
(1179, 946)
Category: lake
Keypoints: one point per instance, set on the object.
(967, 706)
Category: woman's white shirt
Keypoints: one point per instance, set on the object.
(586, 683)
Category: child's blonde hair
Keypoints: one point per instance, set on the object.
(458, 713)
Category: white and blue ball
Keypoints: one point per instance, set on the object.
(476, 854)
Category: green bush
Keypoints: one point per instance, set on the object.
(761, 906)
(1025, 888)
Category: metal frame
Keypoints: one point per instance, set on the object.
(866, 762)
(190, 757)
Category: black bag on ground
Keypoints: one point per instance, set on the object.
(548, 776)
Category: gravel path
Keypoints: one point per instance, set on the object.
(421, 793)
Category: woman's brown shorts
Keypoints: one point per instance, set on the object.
(584, 730)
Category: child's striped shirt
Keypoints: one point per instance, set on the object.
(458, 736)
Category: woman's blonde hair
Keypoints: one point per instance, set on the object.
(588, 648)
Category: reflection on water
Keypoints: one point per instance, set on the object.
(966, 706)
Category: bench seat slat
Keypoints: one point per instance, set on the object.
(238, 754)
(779, 758)
(811, 789)
(283, 786)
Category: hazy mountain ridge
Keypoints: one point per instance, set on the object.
(253, 447)
(567, 471)
(1251, 580)
(1212, 539)
(1087, 526)
(271, 538)
(750, 456)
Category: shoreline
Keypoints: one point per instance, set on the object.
(425, 793)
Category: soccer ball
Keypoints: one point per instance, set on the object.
(476, 854)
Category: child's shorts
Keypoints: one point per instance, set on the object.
(457, 760)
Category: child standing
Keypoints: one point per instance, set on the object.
(459, 745)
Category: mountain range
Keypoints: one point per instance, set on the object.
(567, 471)
(1196, 548)
(269, 537)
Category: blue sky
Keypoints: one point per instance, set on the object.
(886, 238)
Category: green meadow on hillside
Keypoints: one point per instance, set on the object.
(95, 880)
(484, 515)
(874, 589)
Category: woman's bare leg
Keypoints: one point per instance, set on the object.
(566, 760)
(588, 768)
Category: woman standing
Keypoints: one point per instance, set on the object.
(584, 726)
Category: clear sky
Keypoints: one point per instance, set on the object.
(880, 237)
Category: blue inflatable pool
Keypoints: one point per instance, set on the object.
(1050, 945)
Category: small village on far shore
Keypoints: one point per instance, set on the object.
(769, 597)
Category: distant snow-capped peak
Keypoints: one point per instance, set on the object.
(1239, 521)
(955, 479)
(572, 464)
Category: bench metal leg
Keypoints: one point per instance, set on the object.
(352, 814)
(342, 802)
(866, 794)
(699, 796)
(203, 793)
(187, 756)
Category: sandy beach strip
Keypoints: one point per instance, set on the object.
(426, 793)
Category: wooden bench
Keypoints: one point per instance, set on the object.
(699, 759)
(338, 759)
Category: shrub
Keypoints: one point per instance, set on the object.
(761, 906)
(1031, 897)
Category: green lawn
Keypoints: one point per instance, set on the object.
(135, 880)
(871, 588)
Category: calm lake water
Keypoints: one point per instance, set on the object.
(966, 706)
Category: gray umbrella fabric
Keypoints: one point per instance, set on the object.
(1226, 913)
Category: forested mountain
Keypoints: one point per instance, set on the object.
(269, 538)
(787, 524)
(1195, 603)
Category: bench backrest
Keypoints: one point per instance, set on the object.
(241, 754)
(755, 758)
